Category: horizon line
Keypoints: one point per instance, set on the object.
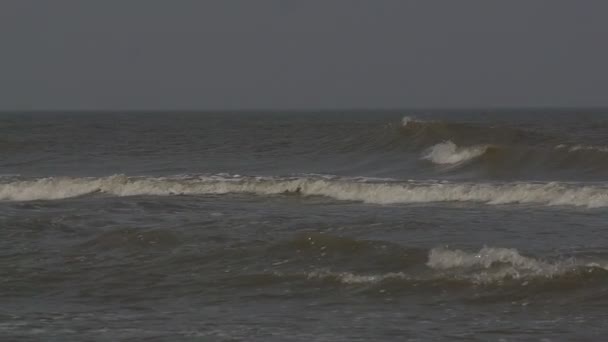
(300, 110)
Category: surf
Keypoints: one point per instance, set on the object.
(365, 190)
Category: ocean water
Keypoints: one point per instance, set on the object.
(339, 226)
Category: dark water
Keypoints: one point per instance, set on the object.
(472, 226)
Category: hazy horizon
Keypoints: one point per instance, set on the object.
(276, 55)
(405, 110)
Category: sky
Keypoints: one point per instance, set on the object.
(313, 54)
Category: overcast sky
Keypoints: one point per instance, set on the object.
(307, 54)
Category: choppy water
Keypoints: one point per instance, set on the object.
(304, 226)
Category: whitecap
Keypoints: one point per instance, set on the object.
(448, 153)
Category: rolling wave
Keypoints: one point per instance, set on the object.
(490, 266)
(427, 133)
(348, 189)
(503, 151)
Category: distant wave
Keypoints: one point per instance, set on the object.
(349, 189)
(407, 120)
(501, 151)
(470, 149)
(433, 132)
(448, 153)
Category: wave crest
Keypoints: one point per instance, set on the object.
(443, 259)
(349, 189)
(575, 148)
(448, 153)
(408, 120)
(492, 264)
(488, 266)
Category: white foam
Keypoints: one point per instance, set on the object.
(492, 264)
(407, 119)
(574, 148)
(440, 258)
(353, 278)
(488, 265)
(591, 196)
(448, 153)
(51, 188)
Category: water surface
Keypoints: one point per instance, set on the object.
(342, 226)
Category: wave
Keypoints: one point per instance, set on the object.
(348, 189)
(502, 152)
(448, 153)
(503, 263)
(426, 133)
(575, 148)
(408, 120)
(445, 267)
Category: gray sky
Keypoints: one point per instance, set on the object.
(248, 54)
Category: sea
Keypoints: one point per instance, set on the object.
(420, 225)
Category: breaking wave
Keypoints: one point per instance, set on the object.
(445, 267)
(492, 264)
(448, 153)
(349, 189)
(408, 120)
(501, 151)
